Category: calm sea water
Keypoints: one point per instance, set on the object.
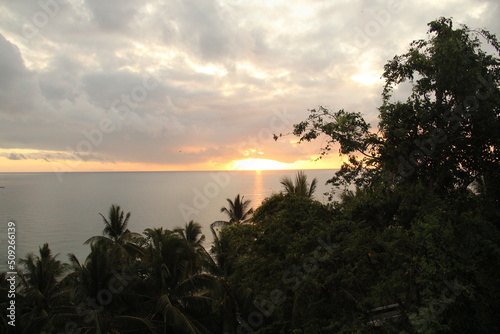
(65, 212)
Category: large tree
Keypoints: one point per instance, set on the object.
(420, 232)
(444, 134)
(278, 257)
(447, 132)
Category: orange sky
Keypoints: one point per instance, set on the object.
(65, 166)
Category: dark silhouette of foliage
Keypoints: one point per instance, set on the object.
(300, 187)
(238, 210)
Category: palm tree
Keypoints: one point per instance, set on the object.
(192, 234)
(116, 235)
(178, 294)
(238, 211)
(300, 187)
(231, 299)
(103, 297)
(41, 290)
(194, 239)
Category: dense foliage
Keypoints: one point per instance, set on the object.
(412, 247)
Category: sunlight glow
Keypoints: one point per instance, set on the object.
(367, 73)
(209, 69)
(478, 11)
(258, 164)
(252, 70)
(367, 79)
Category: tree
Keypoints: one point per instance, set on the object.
(277, 258)
(426, 187)
(194, 239)
(117, 236)
(178, 295)
(104, 298)
(447, 132)
(300, 187)
(238, 211)
(192, 234)
(41, 290)
(231, 300)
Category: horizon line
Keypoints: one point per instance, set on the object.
(163, 171)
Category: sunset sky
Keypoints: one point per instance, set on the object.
(94, 85)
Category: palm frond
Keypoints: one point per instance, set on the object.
(300, 186)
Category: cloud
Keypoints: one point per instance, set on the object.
(192, 82)
(15, 156)
(60, 80)
(54, 156)
(17, 85)
(113, 15)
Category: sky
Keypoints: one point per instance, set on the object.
(131, 85)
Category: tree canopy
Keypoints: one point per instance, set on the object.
(445, 133)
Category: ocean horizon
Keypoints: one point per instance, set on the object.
(63, 210)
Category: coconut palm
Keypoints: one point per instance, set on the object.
(231, 300)
(165, 250)
(104, 299)
(238, 211)
(41, 291)
(238, 214)
(194, 239)
(116, 236)
(191, 233)
(179, 294)
(300, 187)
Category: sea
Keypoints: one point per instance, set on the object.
(63, 209)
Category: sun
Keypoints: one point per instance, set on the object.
(258, 164)
(367, 79)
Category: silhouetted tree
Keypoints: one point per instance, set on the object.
(300, 187)
(117, 237)
(238, 210)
